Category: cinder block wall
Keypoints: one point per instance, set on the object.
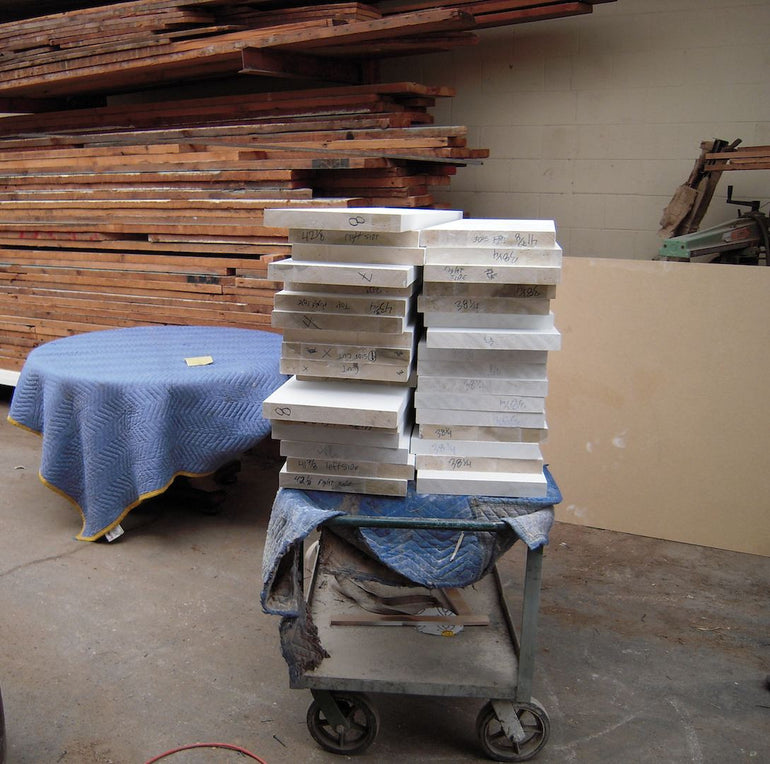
(595, 120)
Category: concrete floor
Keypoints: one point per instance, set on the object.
(649, 651)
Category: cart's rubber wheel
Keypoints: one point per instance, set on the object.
(499, 747)
(362, 718)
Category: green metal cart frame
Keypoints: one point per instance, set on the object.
(495, 661)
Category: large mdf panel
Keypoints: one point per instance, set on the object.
(659, 401)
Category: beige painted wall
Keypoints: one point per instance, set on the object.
(659, 405)
(595, 120)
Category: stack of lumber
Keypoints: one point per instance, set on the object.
(481, 369)
(153, 213)
(481, 382)
(687, 208)
(347, 311)
(497, 13)
(144, 42)
(734, 157)
(115, 213)
(350, 437)
(347, 307)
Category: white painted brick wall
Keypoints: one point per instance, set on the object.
(595, 120)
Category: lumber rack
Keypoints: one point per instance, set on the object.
(494, 661)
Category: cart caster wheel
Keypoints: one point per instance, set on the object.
(227, 474)
(362, 719)
(499, 747)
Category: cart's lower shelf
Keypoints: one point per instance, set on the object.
(479, 661)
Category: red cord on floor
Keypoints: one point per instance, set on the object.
(189, 747)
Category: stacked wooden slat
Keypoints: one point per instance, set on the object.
(738, 158)
(347, 312)
(146, 47)
(495, 13)
(143, 42)
(481, 369)
(347, 306)
(259, 15)
(358, 431)
(154, 213)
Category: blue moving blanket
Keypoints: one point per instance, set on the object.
(122, 413)
(429, 558)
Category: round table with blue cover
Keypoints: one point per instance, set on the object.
(122, 412)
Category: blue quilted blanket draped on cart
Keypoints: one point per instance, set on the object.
(432, 558)
(426, 557)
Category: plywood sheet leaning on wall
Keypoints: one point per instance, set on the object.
(661, 398)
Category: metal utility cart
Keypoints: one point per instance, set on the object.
(494, 661)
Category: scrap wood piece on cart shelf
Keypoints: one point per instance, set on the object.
(405, 619)
(405, 606)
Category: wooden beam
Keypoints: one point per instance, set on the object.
(405, 619)
(417, 23)
(527, 15)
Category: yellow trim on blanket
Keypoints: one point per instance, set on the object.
(23, 426)
(133, 505)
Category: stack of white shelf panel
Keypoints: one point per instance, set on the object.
(348, 316)
(481, 368)
(343, 436)
(347, 309)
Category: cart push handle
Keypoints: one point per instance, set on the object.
(429, 523)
